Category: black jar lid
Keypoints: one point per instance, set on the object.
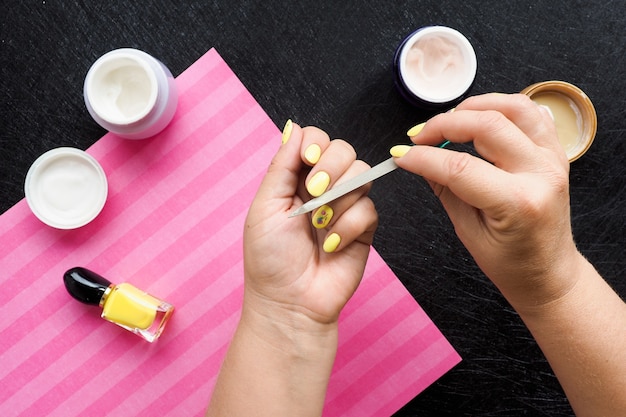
(84, 285)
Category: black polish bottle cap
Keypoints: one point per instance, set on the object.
(84, 285)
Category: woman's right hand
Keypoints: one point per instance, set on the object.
(510, 209)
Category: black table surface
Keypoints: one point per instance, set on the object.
(328, 63)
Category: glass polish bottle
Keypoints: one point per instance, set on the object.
(122, 304)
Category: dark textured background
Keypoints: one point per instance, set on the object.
(327, 63)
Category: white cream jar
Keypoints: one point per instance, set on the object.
(130, 93)
(66, 188)
(434, 67)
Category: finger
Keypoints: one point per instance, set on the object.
(314, 142)
(467, 220)
(326, 215)
(333, 162)
(495, 137)
(281, 179)
(531, 118)
(357, 224)
(473, 180)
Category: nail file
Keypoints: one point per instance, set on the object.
(344, 188)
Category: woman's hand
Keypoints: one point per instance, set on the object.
(303, 267)
(299, 273)
(510, 209)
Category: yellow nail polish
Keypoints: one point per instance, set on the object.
(331, 243)
(415, 130)
(318, 184)
(322, 217)
(399, 150)
(130, 307)
(122, 304)
(287, 131)
(312, 153)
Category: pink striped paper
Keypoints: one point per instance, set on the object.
(172, 226)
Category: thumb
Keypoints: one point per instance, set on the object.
(280, 183)
(473, 180)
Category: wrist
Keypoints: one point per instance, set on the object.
(550, 287)
(278, 361)
(288, 328)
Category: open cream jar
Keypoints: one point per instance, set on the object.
(572, 111)
(66, 188)
(434, 67)
(130, 93)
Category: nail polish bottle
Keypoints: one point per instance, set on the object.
(122, 304)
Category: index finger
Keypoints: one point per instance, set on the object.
(473, 180)
(495, 137)
(531, 119)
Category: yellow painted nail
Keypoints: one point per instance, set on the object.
(312, 153)
(322, 217)
(318, 184)
(331, 243)
(415, 130)
(287, 131)
(399, 150)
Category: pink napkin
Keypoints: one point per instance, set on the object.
(172, 226)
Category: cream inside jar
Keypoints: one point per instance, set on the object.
(572, 111)
(66, 188)
(130, 93)
(566, 116)
(435, 66)
(122, 89)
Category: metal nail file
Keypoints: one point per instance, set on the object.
(344, 188)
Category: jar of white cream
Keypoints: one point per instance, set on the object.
(434, 67)
(66, 188)
(130, 93)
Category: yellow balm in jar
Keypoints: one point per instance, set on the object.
(573, 113)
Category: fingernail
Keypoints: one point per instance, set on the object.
(318, 184)
(287, 131)
(399, 150)
(331, 243)
(312, 153)
(415, 130)
(452, 110)
(322, 217)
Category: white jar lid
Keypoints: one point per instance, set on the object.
(66, 188)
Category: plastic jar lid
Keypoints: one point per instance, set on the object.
(66, 188)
